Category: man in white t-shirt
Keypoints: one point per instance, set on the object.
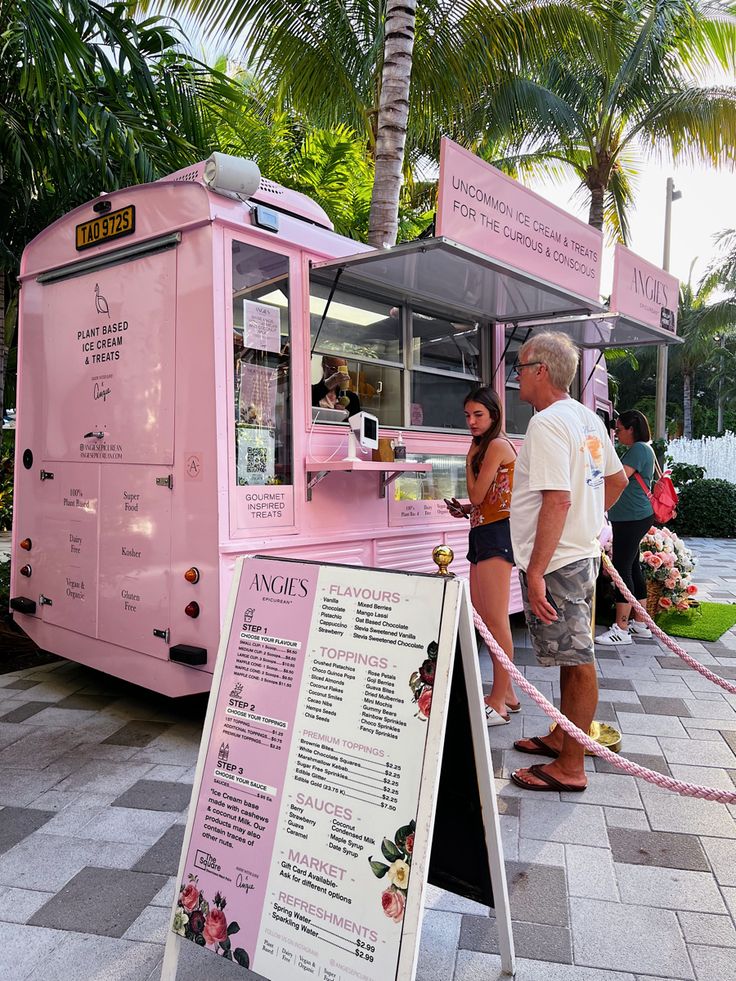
(566, 476)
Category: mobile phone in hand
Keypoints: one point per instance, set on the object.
(455, 507)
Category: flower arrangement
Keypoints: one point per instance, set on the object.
(669, 563)
(422, 682)
(398, 852)
(206, 925)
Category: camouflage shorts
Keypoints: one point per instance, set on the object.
(569, 640)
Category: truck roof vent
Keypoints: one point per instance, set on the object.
(270, 193)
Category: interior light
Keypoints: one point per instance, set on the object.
(192, 575)
(337, 311)
(192, 610)
(26, 544)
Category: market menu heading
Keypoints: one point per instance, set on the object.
(299, 863)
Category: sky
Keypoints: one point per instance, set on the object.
(705, 209)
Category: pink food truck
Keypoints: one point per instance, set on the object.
(173, 338)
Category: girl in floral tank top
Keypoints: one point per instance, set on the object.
(489, 471)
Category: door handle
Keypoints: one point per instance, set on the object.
(96, 435)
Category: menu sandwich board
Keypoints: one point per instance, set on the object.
(309, 838)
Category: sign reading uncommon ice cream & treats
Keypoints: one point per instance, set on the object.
(644, 292)
(307, 852)
(482, 208)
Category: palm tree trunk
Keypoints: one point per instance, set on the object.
(393, 114)
(595, 215)
(687, 401)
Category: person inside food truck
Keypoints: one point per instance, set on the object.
(331, 391)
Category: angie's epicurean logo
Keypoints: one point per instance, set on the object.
(650, 287)
(279, 585)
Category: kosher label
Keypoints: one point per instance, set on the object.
(484, 209)
(299, 862)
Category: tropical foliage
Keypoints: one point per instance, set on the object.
(596, 104)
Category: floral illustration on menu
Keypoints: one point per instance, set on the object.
(422, 682)
(398, 852)
(195, 919)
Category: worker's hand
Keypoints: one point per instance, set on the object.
(540, 602)
(338, 380)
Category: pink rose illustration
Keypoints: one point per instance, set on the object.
(424, 702)
(665, 603)
(410, 843)
(189, 897)
(215, 927)
(692, 589)
(393, 904)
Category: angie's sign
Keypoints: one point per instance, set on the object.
(482, 208)
(643, 291)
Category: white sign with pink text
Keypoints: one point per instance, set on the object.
(482, 208)
(307, 853)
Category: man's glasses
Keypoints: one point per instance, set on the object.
(518, 365)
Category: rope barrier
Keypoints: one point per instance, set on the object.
(658, 632)
(628, 766)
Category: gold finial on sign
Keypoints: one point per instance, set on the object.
(443, 555)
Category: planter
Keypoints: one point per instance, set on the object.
(654, 595)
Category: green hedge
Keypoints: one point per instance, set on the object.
(706, 509)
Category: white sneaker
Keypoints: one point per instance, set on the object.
(639, 629)
(614, 637)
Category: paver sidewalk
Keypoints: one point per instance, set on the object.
(623, 882)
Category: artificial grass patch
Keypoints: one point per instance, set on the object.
(707, 621)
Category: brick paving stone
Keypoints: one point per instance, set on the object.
(80, 902)
(590, 872)
(708, 928)
(18, 905)
(664, 849)
(89, 701)
(560, 821)
(664, 706)
(615, 684)
(156, 795)
(440, 935)
(617, 936)
(23, 712)
(140, 733)
(621, 817)
(651, 725)
(450, 902)
(721, 854)
(649, 760)
(701, 752)
(97, 958)
(537, 893)
(677, 889)
(163, 856)
(16, 823)
(24, 948)
(713, 962)
(537, 941)
(667, 812)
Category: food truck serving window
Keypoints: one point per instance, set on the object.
(261, 352)
(367, 336)
(518, 413)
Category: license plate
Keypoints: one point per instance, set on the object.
(105, 228)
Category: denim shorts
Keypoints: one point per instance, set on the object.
(491, 541)
(569, 640)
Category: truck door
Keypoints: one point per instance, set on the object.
(107, 353)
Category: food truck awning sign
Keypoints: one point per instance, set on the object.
(644, 293)
(484, 209)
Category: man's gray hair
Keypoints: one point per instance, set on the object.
(558, 352)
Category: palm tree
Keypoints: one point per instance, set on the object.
(396, 73)
(596, 106)
(89, 100)
(699, 323)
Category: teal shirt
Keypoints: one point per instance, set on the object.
(634, 503)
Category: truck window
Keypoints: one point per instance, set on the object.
(445, 367)
(367, 334)
(518, 413)
(262, 361)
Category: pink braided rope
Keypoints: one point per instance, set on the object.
(658, 632)
(628, 766)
